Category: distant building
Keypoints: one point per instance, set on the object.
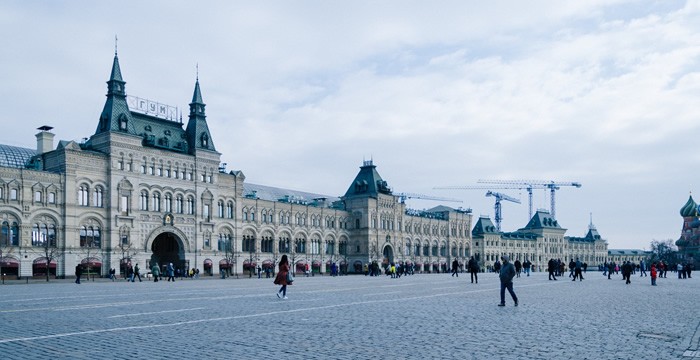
(689, 241)
(540, 240)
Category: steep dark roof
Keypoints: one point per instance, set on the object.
(542, 219)
(518, 236)
(484, 226)
(368, 182)
(160, 133)
(690, 208)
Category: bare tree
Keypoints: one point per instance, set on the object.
(229, 249)
(664, 250)
(50, 252)
(128, 250)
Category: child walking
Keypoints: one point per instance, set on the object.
(653, 274)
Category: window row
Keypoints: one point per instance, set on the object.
(181, 205)
(39, 195)
(84, 198)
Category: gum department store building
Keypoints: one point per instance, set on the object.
(143, 189)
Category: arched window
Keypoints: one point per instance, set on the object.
(90, 237)
(300, 246)
(330, 247)
(205, 140)
(426, 249)
(220, 208)
(283, 245)
(316, 246)
(190, 205)
(97, 197)
(156, 201)
(178, 204)
(248, 243)
(168, 201)
(9, 234)
(229, 210)
(43, 235)
(83, 195)
(144, 201)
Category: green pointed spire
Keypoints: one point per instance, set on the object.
(116, 71)
(197, 96)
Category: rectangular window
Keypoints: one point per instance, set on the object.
(128, 167)
(124, 205)
(13, 194)
(150, 170)
(52, 198)
(37, 196)
(167, 172)
(206, 211)
(121, 165)
(160, 172)
(143, 169)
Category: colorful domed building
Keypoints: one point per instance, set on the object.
(689, 242)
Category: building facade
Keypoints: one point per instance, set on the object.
(147, 189)
(540, 240)
(689, 241)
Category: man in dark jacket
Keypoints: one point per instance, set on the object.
(473, 266)
(506, 275)
(552, 267)
(78, 273)
(455, 267)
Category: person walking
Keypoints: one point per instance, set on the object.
(506, 276)
(137, 273)
(527, 265)
(518, 267)
(627, 272)
(642, 268)
(455, 266)
(155, 271)
(78, 273)
(551, 267)
(473, 265)
(577, 270)
(171, 272)
(129, 273)
(653, 274)
(112, 274)
(281, 278)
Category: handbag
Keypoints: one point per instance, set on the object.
(290, 277)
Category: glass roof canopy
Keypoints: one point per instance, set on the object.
(15, 157)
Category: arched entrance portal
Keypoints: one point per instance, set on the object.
(388, 254)
(167, 249)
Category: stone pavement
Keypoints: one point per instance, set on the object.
(353, 317)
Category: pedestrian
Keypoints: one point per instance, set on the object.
(642, 268)
(137, 273)
(112, 274)
(680, 270)
(611, 268)
(474, 269)
(577, 270)
(171, 272)
(653, 274)
(518, 267)
(527, 265)
(551, 268)
(155, 271)
(455, 265)
(506, 275)
(129, 273)
(627, 272)
(281, 278)
(259, 272)
(78, 273)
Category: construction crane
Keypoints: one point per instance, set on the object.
(405, 196)
(552, 185)
(497, 207)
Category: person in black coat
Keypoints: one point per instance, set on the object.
(552, 267)
(78, 273)
(473, 266)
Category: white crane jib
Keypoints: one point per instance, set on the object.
(552, 185)
(497, 206)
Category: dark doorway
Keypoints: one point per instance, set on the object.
(389, 254)
(167, 249)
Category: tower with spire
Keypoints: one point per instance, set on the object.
(689, 241)
(198, 135)
(115, 114)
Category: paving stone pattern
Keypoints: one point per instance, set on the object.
(352, 317)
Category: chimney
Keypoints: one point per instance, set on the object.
(44, 139)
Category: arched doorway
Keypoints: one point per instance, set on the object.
(388, 254)
(167, 249)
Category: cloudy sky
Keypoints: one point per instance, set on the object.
(298, 93)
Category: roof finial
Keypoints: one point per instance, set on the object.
(115, 44)
(197, 66)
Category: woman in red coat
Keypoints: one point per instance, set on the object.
(281, 278)
(653, 274)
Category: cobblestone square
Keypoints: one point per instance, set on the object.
(353, 317)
